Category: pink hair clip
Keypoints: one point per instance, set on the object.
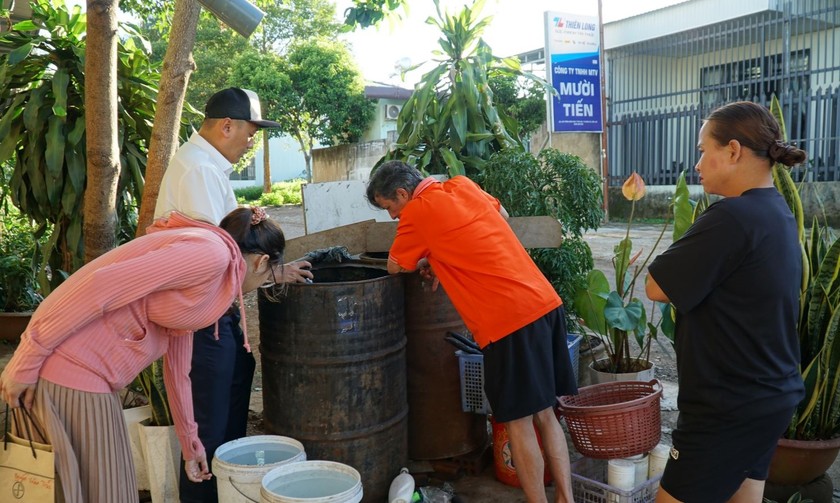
(257, 215)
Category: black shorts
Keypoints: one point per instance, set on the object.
(712, 456)
(527, 370)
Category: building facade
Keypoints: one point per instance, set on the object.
(668, 69)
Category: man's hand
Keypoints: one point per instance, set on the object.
(426, 272)
(295, 272)
(197, 469)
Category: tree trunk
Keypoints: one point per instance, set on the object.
(178, 65)
(307, 156)
(266, 165)
(103, 168)
(306, 150)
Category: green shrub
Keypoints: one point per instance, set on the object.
(248, 194)
(18, 248)
(288, 192)
(271, 199)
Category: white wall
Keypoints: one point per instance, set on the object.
(332, 204)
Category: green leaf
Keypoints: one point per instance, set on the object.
(459, 122)
(683, 208)
(25, 25)
(787, 188)
(19, 54)
(32, 112)
(75, 134)
(456, 167)
(778, 113)
(9, 142)
(76, 169)
(669, 320)
(54, 155)
(591, 299)
(60, 81)
(623, 317)
(621, 261)
(71, 199)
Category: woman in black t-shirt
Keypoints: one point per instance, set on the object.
(734, 278)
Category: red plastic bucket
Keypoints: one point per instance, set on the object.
(502, 459)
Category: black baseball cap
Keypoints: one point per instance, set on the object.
(236, 103)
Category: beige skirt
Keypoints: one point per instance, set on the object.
(92, 450)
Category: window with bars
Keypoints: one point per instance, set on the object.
(754, 78)
(248, 173)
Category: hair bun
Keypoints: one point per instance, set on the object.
(777, 150)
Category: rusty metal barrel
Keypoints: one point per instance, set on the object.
(333, 370)
(437, 426)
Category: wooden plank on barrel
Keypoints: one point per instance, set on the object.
(533, 232)
(373, 236)
(352, 236)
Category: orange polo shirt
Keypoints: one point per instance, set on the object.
(490, 278)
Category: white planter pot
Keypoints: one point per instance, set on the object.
(133, 417)
(162, 452)
(585, 361)
(598, 377)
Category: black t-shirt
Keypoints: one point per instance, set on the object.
(734, 278)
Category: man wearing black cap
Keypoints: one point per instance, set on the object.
(196, 183)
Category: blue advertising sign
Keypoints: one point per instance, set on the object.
(573, 50)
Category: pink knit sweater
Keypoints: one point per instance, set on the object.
(117, 314)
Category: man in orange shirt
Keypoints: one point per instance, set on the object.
(459, 233)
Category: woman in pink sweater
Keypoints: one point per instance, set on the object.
(111, 319)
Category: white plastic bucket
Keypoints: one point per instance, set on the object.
(640, 462)
(240, 465)
(312, 482)
(658, 459)
(621, 474)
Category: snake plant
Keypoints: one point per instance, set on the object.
(818, 415)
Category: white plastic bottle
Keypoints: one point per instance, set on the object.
(402, 488)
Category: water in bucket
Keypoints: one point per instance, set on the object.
(239, 465)
(312, 481)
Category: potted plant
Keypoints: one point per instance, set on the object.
(812, 441)
(158, 440)
(18, 282)
(135, 411)
(613, 312)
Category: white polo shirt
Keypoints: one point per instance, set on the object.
(197, 183)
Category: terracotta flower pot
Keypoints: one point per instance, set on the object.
(798, 462)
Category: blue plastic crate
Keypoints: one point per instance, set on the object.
(574, 352)
(472, 383)
(472, 376)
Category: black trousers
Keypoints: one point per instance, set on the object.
(222, 373)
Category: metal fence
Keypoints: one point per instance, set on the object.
(660, 90)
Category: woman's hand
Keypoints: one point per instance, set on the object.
(197, 469)
(296, 272)
(15, 393)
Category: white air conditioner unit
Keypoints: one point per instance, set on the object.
(392, 112)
